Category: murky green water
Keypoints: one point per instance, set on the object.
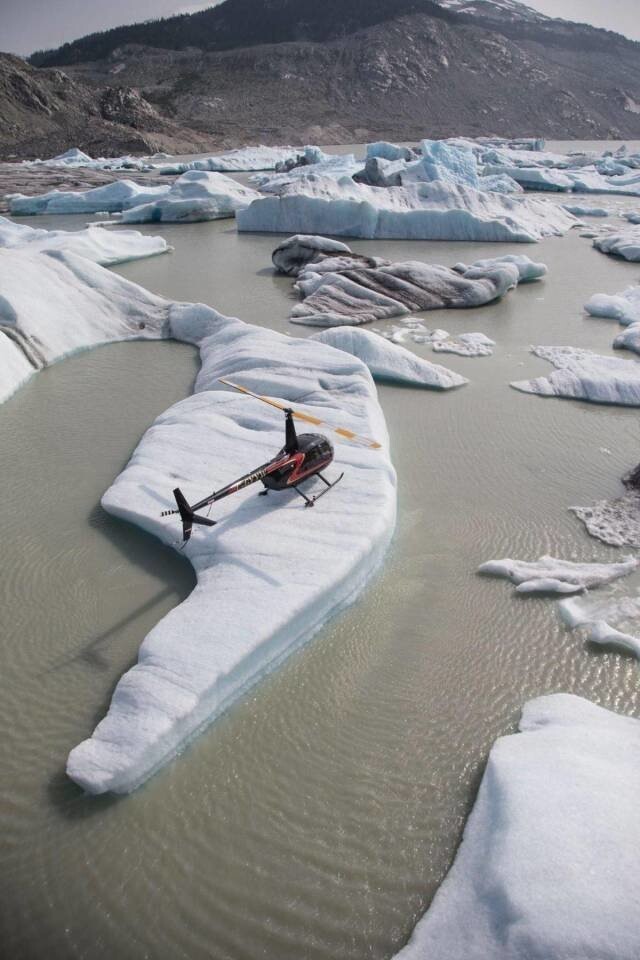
(316, 819)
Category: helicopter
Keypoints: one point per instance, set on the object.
(302, 457)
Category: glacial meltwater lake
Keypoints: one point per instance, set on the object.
(317, 817)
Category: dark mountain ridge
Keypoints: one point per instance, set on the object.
(275, 71)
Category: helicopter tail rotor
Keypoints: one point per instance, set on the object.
(187, 515)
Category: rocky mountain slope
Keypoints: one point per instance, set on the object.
(43, 112)
(349, 70)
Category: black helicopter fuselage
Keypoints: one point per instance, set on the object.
(301, 458)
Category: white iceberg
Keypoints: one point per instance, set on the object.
(533, 178)
(528, 270)
(423, 211)
(465, 345)
(583, 375)
(547, 868)
(623, 307)
(625, 244)
(245, 159)
(579, 210)
(95, 243)
(194, 197)
(389, 361)
(551, 575)
(332, 166)
(111, 198)
(78, 158)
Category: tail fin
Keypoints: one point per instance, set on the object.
(187, 515)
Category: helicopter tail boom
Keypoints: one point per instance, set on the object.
(187, 515)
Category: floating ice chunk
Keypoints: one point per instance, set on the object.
(111, 198)
(528, 270)
(293, 254)
(606, 635)
(428, 211)
(616, 522)
(245, 159)
(625, 244)
(600, 618)
(533, 178)
(583, 375)
(388, 361)
(332, 166)
(551, 575)
(95, 243)
(581, 211)
(195, 196)
(466, 345)
(77, 158)
(389, 151)
(632, 216)
(499, 183)
(548, 863)
(623, 307)
(443, 162)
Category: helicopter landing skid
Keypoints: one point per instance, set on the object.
(310, 501)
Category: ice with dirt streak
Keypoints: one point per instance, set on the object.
(548, 865)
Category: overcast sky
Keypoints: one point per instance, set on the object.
(28, 25)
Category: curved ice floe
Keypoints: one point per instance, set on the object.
(96, 244)
(193, 197)
(295, 567)
(244, 159)
(551, 575)
(548, 863)
(427, 211)
(625, 244)
(389, 361)
(583, 375)
(340, 287)
(211, 648)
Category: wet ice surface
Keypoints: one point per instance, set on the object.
(324, 809)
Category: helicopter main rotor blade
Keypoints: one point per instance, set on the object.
(307, 417)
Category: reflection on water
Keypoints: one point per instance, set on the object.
(317, 817)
